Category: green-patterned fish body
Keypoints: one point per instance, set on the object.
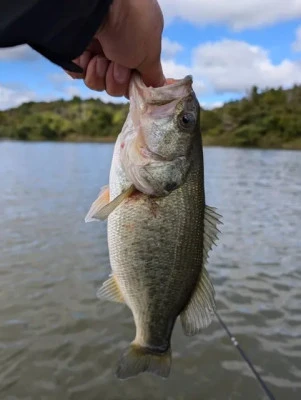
(158, 246)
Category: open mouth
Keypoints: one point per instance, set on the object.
(170, 82)
(172, 90)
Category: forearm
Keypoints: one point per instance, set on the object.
(58, 29)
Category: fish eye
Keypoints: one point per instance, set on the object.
(187, 120)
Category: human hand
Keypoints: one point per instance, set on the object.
(129, 38)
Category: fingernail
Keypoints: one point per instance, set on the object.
(121, 74)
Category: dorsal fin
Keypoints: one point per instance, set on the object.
(199, 311)
(211, 231)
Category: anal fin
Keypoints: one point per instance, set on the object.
(110, 291)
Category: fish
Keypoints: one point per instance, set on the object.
(160, 229)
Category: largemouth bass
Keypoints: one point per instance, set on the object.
(160, 229)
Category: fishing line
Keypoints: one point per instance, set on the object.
(244, 356)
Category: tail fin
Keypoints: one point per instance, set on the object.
(137, 359)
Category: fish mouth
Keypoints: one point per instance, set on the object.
(170, 82)
(174, 89)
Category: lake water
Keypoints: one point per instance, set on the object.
(59, 342)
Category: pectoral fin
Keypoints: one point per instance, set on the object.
(110, 291)
(102, 206)
(199, 312)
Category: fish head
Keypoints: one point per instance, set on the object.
(165, 117)
(156, 152)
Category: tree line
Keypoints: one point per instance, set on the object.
(268, 118)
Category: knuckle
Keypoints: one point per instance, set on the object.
(93, 84)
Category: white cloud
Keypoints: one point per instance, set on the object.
(18, 53)
(235, 66)
(69, 87)
(220, 67)
(174, 70)
(60, 78)
(11, 97)
(103, 96)
(170, 48)
(230, 66)
(297, 43)
(236, 14)
(78, 88)
(72, 91)
(212, 105)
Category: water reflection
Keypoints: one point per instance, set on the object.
(57, 341)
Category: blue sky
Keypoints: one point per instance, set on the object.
(227, 46)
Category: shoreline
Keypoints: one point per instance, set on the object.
(207, 142)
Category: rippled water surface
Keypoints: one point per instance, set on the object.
(57, 341)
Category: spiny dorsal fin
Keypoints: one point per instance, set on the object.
(110, 291)
(199, 312)
(102, 206)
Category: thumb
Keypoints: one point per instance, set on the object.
(152, 75)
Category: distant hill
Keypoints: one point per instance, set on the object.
(73, 120)
(267, 119)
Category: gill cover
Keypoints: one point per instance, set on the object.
(164, 121)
